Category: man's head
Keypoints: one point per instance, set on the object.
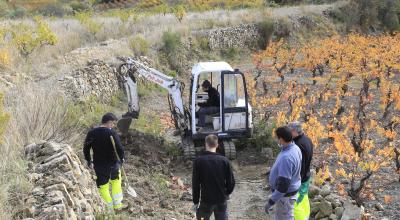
(206, 85)
(211, 143)
(296, 128)
(284, 135)
(109, 120)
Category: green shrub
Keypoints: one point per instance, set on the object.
(369, 15)
(229, 53)
(78, 6)
(56, 9)
(173, 50)
(391, 21)
(19, 12)
(171, 42)
(173, 150)
(4, 117)
(179, 12)
(266, 29)
(4, 9)
(139, 45)
(284, 28)
(204, 43)
(86, 19)
(88, 113)
(262, 137)
(27, 38)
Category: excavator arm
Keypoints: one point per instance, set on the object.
(129, 71)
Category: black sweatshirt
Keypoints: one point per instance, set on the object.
(213, 176)
(306, 147)
(99, 140)
(213, 98)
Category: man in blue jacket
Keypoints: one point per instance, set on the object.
(284, 178)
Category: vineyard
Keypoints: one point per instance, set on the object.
(347, 91)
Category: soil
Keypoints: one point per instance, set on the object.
(163, 185)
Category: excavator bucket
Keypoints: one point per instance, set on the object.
(124, 124)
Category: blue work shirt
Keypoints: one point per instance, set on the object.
(287, 166)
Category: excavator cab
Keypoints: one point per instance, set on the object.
(233, 119)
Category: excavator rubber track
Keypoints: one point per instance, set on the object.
(229, 149)
(188, 148)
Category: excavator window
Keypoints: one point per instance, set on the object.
(234, 94)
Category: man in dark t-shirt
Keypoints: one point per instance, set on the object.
(107, 161)
(302, 206)
(212, 182)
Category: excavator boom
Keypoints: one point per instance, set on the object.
(129, 70)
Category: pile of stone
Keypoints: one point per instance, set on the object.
(63, 187)
(326, 205)
(97, 79)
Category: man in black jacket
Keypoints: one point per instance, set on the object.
(302, 206)
(105, 161)
(212, 182)
(212, 104)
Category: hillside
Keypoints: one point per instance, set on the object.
(332, 66)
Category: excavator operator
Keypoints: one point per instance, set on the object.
(211, 106)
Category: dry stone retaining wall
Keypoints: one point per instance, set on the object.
(63, 188)
(97, 78)
(241, 36)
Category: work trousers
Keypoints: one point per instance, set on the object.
(284, 208)
(205, 211)
(203, 111)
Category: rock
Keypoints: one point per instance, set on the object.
(379, 207)
(267, 152)
(339, 212)
(314, 208)
(318, 198)
(336, 203)
(325, 208)
(186, 196)
(333, 217)
(326, 190)
(313, 191)
(319, 216)
(352, 212)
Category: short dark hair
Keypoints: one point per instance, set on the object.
(108, 117)
(212, 140)
(285, 133)
(206, 84)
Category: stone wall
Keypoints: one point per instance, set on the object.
(242, 36)
(97, 78)
(63, 187)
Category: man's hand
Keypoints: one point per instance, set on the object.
(89, 164)
(268, 206)
(195, 207)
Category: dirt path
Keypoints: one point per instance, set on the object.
(248, 199)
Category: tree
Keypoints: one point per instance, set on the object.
(334, 85)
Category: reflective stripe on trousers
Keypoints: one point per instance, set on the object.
(116, 190)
